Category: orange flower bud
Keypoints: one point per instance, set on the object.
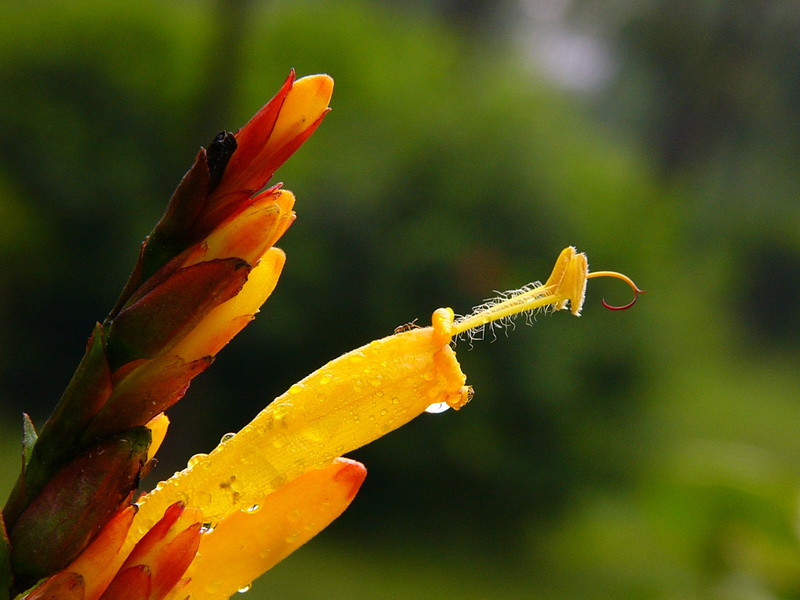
(274, 134)
(161, 557)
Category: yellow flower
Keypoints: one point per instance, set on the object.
(349, 402)
(202, 275)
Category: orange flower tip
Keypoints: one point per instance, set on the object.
(158, 426)
(319, 86)
(174, 511)
(131, 583)
(352, 472)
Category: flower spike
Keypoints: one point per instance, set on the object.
(201, 276)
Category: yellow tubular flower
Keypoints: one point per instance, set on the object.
(349, 402)
(247, 543)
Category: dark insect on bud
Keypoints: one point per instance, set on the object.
(218, 155)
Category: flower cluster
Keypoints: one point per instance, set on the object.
(71, 528)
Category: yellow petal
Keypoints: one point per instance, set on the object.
(248, 543)
(248, 233)
(308, 98)
(349, 402)
(158, 426)
(223, 322)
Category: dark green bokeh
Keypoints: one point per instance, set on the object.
(652, 453)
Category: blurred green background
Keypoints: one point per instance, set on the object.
(647, 454)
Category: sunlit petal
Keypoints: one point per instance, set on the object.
(249, 542)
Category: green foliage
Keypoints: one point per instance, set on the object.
(651, 453)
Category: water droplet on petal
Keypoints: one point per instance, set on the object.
(194, 460)
(356, 357)
(253, 509)
(326, 378)
(296, 388)
(437, 407)
(226, 437)
(244, 589)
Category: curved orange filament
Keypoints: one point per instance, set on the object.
(626, 279)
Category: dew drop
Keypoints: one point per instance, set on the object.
(384, 412)
(253, 509)
(437, 407)
(294, 516)
(194, 460)
(279, 442)
(326, 378)
(296, 388)
(244, 589)
(292, 538)
(280, 411)
(356, 357)
(226, 437)
(207, 528)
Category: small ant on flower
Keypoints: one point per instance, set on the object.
(407, 327)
